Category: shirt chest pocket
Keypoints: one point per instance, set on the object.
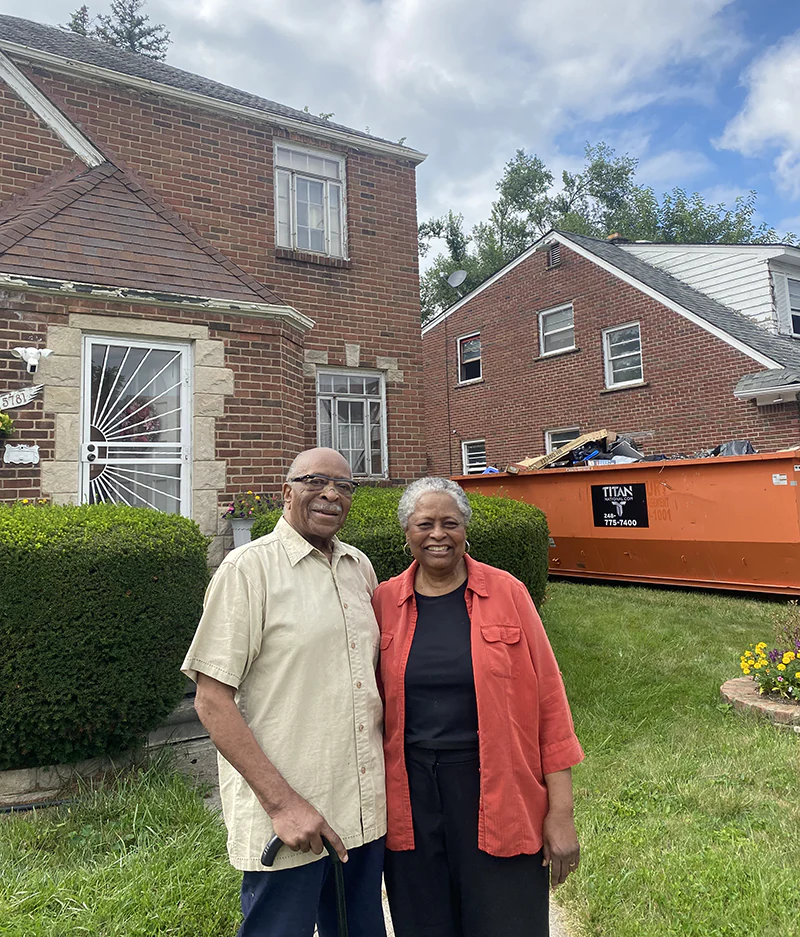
(501, 647)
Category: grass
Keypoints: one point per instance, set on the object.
(688, 814)
(140, 856)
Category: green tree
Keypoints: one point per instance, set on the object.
(126, 27)
(603, 197)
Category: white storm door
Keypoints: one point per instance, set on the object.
(135, 426)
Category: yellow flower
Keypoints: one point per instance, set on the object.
(797, 675)
(788, 656)
(761, 645)
(781, 666)
(746, 671)
(24, 500)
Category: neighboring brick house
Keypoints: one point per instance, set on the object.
(222, 281)
(679, 346)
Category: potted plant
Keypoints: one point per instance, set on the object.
(6, 425)
(243, 511)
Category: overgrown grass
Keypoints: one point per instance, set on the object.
(689, 814)
(137, 857)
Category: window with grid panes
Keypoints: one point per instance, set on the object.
(469, 358)
(473, 456)
(351, 418)
(623, 355)
(309, 201)
(556, 330)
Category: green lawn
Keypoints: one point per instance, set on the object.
(139, 858)
(688, 814)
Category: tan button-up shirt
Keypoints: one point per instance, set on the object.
(297, 637)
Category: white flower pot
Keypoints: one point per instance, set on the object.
(241, 530)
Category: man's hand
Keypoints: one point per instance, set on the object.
(301, 827)
(561, 850)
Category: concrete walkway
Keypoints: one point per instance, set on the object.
(198, 759)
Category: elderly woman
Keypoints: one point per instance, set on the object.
(479, 740)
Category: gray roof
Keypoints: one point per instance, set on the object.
(70, 45)
(763, 381)
(781, 348)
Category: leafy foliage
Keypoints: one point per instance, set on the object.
(126, 27)
(6, 425)
(504, 533)
(97, 606)
(600, 199)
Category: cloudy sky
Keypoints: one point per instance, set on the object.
(705, 93)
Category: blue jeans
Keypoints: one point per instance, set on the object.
(289, 902)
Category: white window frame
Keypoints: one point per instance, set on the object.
(550, 446)
(186, 447)
(465, 466)
(795, 333)
(367, 398)
(542, 317)
(610, 383)
(459, 340)
(293, 175)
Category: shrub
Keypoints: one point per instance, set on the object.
(504, 533)
(98, 604)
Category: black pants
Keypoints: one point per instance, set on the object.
(447, 887)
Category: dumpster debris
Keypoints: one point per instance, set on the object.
(542, 461)
(735, 447)
(601, 447)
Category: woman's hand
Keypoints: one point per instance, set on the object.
(561, 850)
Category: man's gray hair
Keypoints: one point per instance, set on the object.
(423, 486)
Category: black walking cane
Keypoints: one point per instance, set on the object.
(268, 857)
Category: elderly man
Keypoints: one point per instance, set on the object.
(284, 660)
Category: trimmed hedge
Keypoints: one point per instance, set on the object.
(98, 604)
(504, 533)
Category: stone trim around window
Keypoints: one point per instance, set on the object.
(61, 376)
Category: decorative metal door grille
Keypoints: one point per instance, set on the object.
(135, 447)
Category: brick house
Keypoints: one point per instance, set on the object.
(221, 280)
(679, 346)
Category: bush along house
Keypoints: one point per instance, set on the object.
(195, 284)
(678, 346)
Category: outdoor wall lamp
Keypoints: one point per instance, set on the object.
(31, 357)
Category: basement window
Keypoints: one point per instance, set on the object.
(473, 456)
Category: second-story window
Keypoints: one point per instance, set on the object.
(469, 358)
(556, 330)
(794, 304)
(309, 201)
(622, 348)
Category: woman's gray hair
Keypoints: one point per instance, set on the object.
(423, 486)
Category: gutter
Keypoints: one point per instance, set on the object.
(32, 284)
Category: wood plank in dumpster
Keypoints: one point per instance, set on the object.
(726, 523)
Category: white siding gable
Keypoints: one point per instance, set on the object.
(737, 276)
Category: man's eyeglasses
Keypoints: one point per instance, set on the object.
(344, 486)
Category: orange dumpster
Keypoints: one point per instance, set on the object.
(717, 523)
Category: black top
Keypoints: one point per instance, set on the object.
(441, 709)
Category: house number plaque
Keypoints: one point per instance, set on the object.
(19, 398)
(21, 455)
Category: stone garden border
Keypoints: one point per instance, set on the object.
(742, 693)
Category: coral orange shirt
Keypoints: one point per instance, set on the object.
(525, 727)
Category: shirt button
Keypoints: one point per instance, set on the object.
(363, 770)
(353, 644)
(358, 685)
(361, 728)
(344, 605)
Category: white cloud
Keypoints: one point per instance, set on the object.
(770, 117)
(673, 168)
(466, 81)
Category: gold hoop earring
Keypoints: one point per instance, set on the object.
(467, 546)
(407, 548)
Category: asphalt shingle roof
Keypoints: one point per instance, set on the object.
(781, 348)
(93, 52)
(101, 226)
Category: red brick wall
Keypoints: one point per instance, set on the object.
(30, 151)
(687, 405)
(217, 173)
